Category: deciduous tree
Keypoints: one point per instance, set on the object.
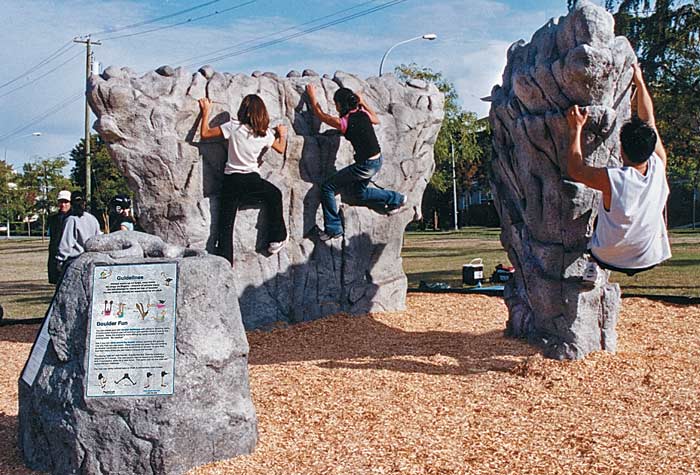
(107, 181)
(41, 180)
(460, 129)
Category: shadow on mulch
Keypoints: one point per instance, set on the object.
(350, 338)
(10, 460)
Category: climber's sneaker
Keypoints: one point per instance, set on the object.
(325, 236)
(275, 247)
(399, 207)
(592, 273)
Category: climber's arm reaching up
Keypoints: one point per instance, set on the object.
(323, 117)
(645, 109)
(205, 131)
(593, 177)
(280, 143)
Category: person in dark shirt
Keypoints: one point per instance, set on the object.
(120, 218)
(356, 123)
(56, 223)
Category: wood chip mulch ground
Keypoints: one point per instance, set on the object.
(437, 390)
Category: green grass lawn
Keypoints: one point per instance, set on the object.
(429, 256)
(439, 256)
(25, 291)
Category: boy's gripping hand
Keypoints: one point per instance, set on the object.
(637, 77)
(576, 117)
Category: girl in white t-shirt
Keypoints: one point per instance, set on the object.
(248, 139)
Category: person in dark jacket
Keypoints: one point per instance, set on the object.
(56, 224)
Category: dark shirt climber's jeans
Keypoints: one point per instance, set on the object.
(354, 181)
(240, 189)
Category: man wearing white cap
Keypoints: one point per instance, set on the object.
(56, 223)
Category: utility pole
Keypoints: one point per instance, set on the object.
(454, 183)
(46, 203)
(695, 198)
(88, 71)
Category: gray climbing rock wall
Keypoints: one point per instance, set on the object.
(210, 416)
(150, 124)
(546, 219)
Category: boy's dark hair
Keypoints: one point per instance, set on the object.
(77, 203)
(638, 140)
(346, 100)
(253, 113)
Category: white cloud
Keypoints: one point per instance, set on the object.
(470, 51)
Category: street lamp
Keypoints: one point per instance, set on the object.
(10, 186)
(33, 134)
(454, 185)
(428, 36)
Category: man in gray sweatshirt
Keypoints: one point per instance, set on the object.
(79, 227)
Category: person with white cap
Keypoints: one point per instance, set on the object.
(80, 226)
(56, 224)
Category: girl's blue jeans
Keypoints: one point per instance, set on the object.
(353, 181)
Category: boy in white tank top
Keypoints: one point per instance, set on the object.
(630, 234)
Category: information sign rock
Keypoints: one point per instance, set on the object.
(193, 409)
(132, 330)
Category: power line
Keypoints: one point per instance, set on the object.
(294, 27)
(189, 20)
(59, 52)
(43, 115)
(42, 76)
(301, 33)
(154, 20)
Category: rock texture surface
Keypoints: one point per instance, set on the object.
(547, 219)
(150, 124)
(210, 417)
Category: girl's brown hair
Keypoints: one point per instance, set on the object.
(254, 114)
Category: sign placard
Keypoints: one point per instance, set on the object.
(132, 330)
(36, 357)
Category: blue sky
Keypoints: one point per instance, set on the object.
(473, 37)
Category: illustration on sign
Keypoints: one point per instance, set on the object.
(132, 330)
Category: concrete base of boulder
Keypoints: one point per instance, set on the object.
(209, 417)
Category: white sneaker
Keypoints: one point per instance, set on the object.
(404, 200)
(592, 273)
(275, 247)
(324, 236)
